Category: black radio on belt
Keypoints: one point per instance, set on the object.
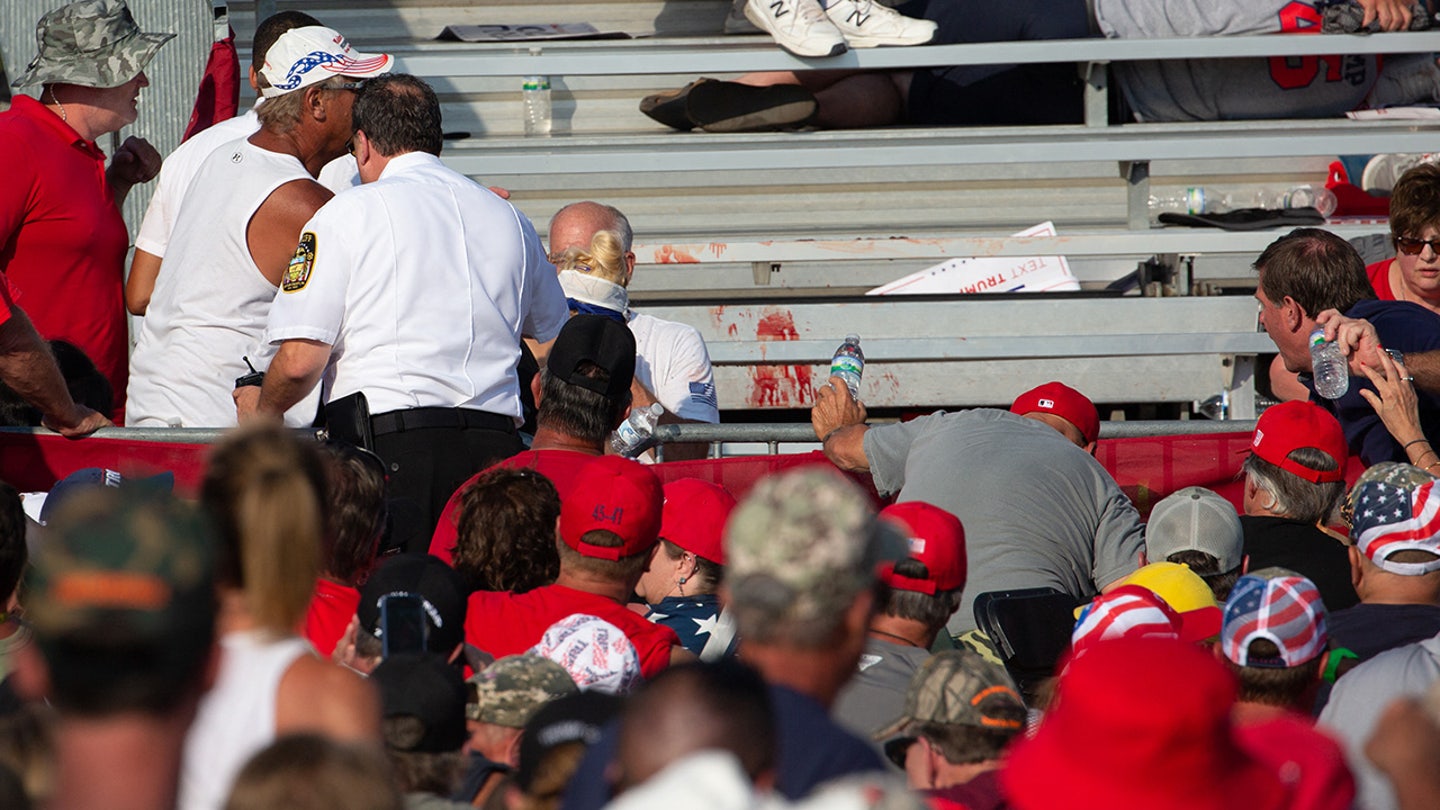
(253, 378)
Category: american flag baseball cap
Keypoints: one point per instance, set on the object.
(1393, 515)
(313, 53)
(1130, 611)
(1279, 606)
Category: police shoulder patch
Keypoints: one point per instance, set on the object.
(297, 274)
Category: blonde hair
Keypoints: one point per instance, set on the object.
(265, 490)
(605, 259)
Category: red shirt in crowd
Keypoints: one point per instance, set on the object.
(331, 609)
(560, 466)
(62, 239)
(508, 624)
(1379, 274)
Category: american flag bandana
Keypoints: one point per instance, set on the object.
(1390, 519)
(1283, 608)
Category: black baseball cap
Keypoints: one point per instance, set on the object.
(430, 690)
(441, 590)
(597, 339)
(580, 717)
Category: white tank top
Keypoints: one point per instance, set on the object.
(211, 303)
(237, 716)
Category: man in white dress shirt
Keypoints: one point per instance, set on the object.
(410, 295)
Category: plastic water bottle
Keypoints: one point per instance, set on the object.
(536, 94)
(1327, 364)
(1201, 200)
(849, 363)
(636, 434)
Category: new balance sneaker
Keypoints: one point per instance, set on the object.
(799, 26)
(867, 24)
(717, 106)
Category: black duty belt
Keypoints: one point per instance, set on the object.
(424, 418)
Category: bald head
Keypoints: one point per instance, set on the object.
(694, 707)
(575, 225)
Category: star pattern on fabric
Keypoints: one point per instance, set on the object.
(704, 627)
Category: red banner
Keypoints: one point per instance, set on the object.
(1147, 469)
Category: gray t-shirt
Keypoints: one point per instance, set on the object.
(1357, 701)
(1221, 89)
(1037, 510)
(875, 697)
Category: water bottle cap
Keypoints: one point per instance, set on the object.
(852, 338)
(1317, 337)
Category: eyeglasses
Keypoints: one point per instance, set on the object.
(350, 145)
(355, 86)
(1412, 247)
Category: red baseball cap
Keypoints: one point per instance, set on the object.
(1063, 401)
(619, 496)
(1291, 425)
(1140, 722)
(695, 515)
(936, 539)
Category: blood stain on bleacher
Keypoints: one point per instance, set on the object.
(775, 386)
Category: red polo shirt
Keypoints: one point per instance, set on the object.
(62, 239)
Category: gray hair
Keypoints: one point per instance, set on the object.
(1291, 495)
(281, 114)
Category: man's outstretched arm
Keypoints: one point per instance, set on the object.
(27, 366)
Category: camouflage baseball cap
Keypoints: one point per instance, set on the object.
(510, 691)
(92, 43)
(136, 563)
(809, 538)
(959, 688)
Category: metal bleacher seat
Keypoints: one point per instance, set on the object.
(733, 230)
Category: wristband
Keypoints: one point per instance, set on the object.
(1417, 441)
(833, 432)
(1333, 661)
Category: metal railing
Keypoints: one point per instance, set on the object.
(772, 433)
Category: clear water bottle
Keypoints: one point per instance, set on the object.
(1327, 364)
(536, 94)
(849, 363)
(1201, 200)
(637, 433)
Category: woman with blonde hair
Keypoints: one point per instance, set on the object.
(265, 490)
(595, 278)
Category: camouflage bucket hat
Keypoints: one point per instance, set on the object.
(92, 43)
(138, 564)
(510, 691)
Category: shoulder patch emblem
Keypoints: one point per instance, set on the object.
(297, 275)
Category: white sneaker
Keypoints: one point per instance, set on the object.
(798, 26)
(867, 24)
(1382, 172)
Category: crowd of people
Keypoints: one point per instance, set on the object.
(461, 599)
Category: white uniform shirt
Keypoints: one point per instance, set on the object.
(422, 282)
(183, 164)
(672, 362)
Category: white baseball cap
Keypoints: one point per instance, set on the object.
(310, 55)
